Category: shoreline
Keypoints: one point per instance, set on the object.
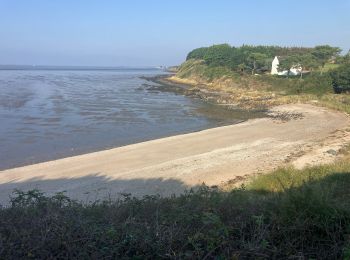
(192, 89)
(173, 164)
(208, 93)
(195, 116)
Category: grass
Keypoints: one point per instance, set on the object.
(286, 213)
(329, 66)
(198, 70)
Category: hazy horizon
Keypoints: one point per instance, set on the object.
(154, 33)
(33, 66)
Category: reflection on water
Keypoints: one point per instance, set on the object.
(50, 114)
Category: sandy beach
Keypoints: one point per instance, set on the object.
(294, 134)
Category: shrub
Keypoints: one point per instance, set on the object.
(341, 78)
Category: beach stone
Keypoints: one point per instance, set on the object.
(332, 152)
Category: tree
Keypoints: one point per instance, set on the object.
(341, 78)
(304, 62)
(307, 62)
(287, 63)
(218, 55)
(197, 54)
(324, 53)
(256, 60)
(344, 59)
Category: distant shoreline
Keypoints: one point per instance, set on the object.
(75, 68)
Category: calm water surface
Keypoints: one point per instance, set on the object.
(50, 114)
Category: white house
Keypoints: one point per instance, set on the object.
(295, 70)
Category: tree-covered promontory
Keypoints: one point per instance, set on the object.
(257, 59)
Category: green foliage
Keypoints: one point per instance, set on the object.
(344, 59)
(312, 83)
(341, 78)
(211, 73)
(308, 62)
(253, 58)
(290, 178)
(287, 63)
(324, 53)
(218, 55)
(197, 69)
(258, 58)
(304, 62)
(316, 84)
(197, 54)
(330, 66)
(285, 214)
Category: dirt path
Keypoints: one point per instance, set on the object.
(298, 134)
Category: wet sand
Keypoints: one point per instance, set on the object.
(170, 165)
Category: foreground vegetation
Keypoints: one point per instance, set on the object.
(287, 213)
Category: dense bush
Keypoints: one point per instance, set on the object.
(341, 78)
(286, 214)
(313, 83)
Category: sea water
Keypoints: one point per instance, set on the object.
(51, 113)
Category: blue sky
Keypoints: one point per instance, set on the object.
(159, 32)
